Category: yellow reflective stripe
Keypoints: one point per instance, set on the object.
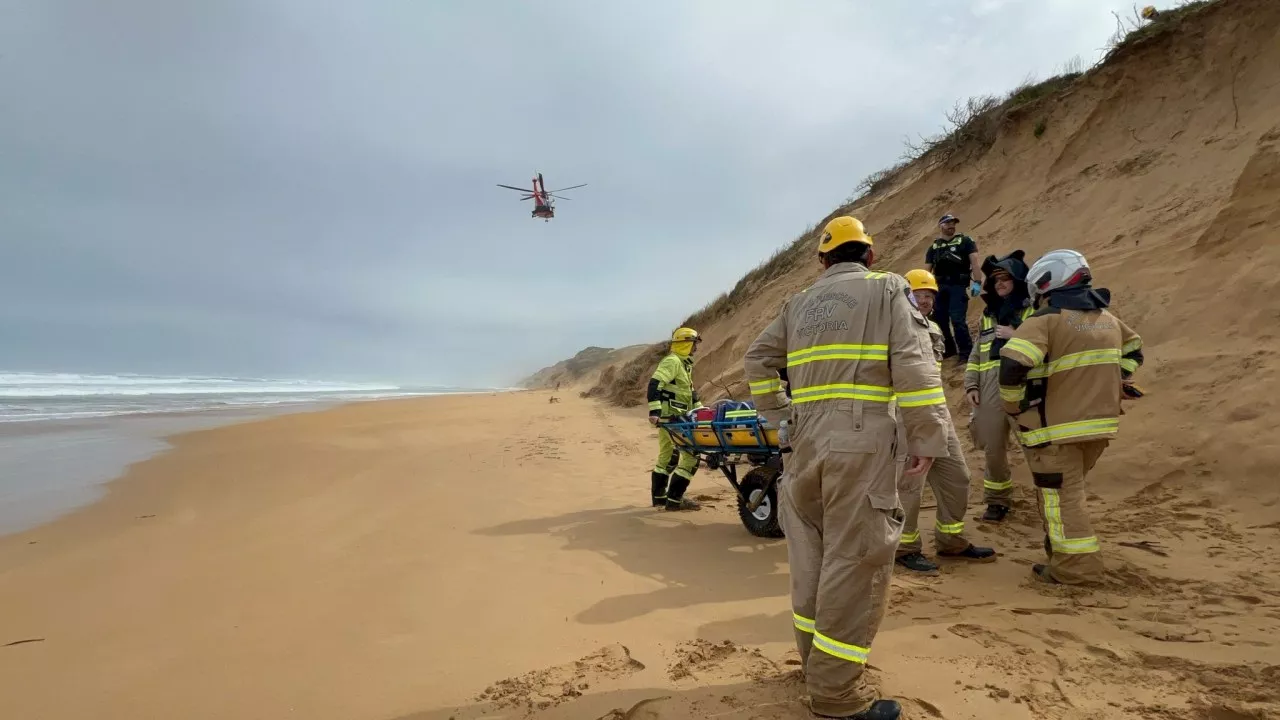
(765, 387)
(984, 347)
(1128, 365)
(910, 537)
(939, 364)
(837, 352)
(983, 366)
(1106, 356)
(740, 414)
(1009, 394)
(990, 484)
(1031, 351)
(920, 398)
(875, 275)
(949, 528)
(655, 405)
(1067, 431)
(988, 323)
(1057, 533)
(842, 391)
(1132, 345)
(835, 648)
(802, 623)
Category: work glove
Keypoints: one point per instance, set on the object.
(975, 288)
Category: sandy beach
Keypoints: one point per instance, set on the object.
(494, 556)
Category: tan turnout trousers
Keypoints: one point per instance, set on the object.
(990, 427)
(949, 478)
(842, 467)
(1059, 473)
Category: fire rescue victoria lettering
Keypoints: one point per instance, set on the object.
(818, 322)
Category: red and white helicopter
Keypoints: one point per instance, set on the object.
(543, 205)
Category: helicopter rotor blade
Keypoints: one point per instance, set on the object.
(523, 190)
(569, 188)
(559, 197)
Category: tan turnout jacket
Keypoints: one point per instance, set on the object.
(1061, 373)
(854, 335)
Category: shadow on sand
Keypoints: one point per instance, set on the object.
(696, 563)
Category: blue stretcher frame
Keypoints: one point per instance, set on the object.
(682, 436)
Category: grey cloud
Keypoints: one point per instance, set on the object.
(305, 188)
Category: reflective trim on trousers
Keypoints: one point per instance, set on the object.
(949, 528)
(990, 484)
(1057, 534)
(830, 646)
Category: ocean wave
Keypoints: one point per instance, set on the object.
(28, 397)
(49, 385)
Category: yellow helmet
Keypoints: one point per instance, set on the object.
(841, 230)
(684, 340)
(684, 333)
(921, 279)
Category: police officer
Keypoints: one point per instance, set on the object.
(953, 260)
(850, 343)
(671, 394)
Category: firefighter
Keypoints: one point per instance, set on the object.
(1062, 375)
(671, 394)
(949, 476)
(849, 344)
(1007, 305)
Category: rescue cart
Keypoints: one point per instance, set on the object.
(733, 435)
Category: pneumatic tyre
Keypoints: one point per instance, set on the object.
(763, 521)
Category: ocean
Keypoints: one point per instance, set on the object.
(64, 436)
(27, 396)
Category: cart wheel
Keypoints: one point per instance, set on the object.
(763, 521)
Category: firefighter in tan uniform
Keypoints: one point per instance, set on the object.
(1062, 376)
(949, 476)
(848, 344)
(1007, 305)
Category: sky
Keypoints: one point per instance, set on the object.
(308, 188)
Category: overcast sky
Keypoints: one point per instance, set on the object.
(307, 187)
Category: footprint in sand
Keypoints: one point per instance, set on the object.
(553, 686)
(701, 662)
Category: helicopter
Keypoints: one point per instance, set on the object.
(543, 205)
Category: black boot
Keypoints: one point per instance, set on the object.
(995, 513)
(917, 562)
(973, 552)
(675, 495)
(1048, 547)
(658, 481)
(879, 710)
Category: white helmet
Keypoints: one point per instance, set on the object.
(1057, 270)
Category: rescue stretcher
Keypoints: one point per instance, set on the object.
(729, 435)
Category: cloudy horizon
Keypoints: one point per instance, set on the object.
(281, 188)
